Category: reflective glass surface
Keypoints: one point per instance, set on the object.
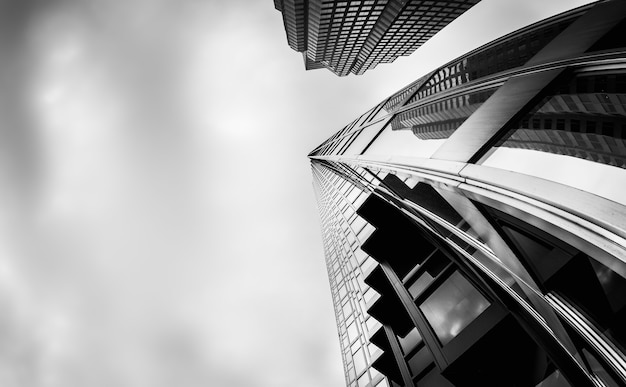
(555, 379)
(432, 268)
(503, 54)
(410, 341)
(365, 136)
(438, 120)
(419, 131)
(402, 143)
(419, 361)
(562, 268)
(451, 307)
(579, 130)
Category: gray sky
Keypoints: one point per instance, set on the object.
(157, 220)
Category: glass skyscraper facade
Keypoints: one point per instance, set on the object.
(474, 223)
(354, 36)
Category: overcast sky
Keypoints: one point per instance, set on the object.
(157, 221)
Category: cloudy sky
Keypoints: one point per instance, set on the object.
(157, 221)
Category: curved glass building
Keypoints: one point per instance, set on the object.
(474, 223)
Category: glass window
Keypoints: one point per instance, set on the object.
(402, 143)
(372, 324)
(555, 379)
(579, 133)
(366, 135)
(434, 379)
(359, 361)
(365, 232)
(440, 119)
(410, 341)
(347, 310)
(383, 383)
(369, 293)
(353, 333)
(432, 268)
(364, 380)
(598, 370)
(452, 306)
(419, 361)
(561, 269)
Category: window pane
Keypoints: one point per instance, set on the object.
(433, 267)
(579, 129)
(451, 307)
(410, 341)
(419, 361)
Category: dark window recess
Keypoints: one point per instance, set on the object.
(397, 239)
(590, 286)
(428, 198)
(426, 274)
(613, 39)
(505, 356)
(419, 361)
(581, 116)
(409, 342)
(596, 364)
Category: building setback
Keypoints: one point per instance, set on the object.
(355, 36)
(474, 223)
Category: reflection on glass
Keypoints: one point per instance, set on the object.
(419, 361)
(582, 126)
(598, 370)
(420, 131)
(363, 380)
(352, 332)
(360, 142)
(438, 120)
(451, 307)
(410, 341)
(434, 378)
(359, 361)
(504, 54)
(432, 268)
(562, 269)
(555, 379)
(383, 383)
(402, 143)
(420, 284)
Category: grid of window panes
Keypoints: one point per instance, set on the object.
(343, 29)
(417, 22)
(295, 24)
(343, 233)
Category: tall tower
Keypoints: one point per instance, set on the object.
(474, 223)
(355, 36)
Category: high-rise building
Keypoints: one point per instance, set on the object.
(355, 36)
(474, 223)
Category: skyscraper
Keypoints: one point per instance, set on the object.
(474, 223)
(355, 36)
